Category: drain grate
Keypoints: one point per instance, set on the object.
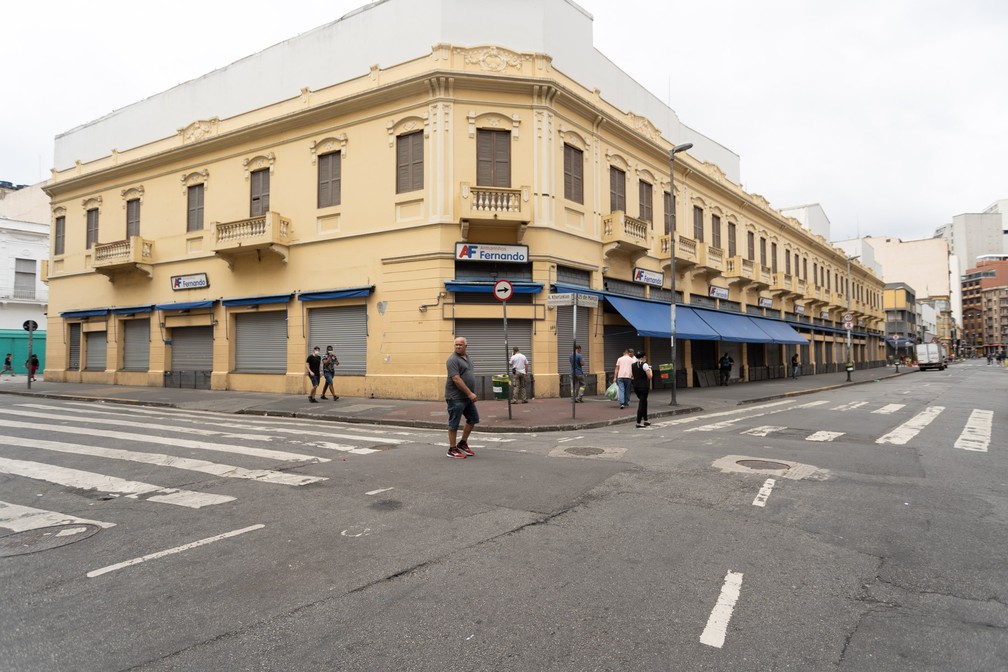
(584, 452)
(45, 538)
(763, 464)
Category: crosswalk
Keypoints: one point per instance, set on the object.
(88, 448)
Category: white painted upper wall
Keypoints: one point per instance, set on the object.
(924, 264)
(812, 217)
(347, 48)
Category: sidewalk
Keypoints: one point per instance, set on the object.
(539, 415)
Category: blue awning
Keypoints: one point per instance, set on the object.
(734, 327)
(481, 287)
(350, 293)
(131, 311)
(564, 288)
(900, 342)
(257, 300)
(779, 331)
(653, 318)
(191, 305)
(94, 312)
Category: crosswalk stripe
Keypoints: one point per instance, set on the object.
(849, 406)
(888, 409)
(764, 430)
(976, 435)
(728, 423)
(912, 427)
(86, 480)
(735, 411)
(161, 460)
(22, 518)
(167, 441)
(823, 435)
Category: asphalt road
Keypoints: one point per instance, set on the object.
(856, 529)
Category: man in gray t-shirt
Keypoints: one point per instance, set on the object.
(461, 400)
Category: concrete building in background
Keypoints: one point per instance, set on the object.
(24, 249)
(985, 306)
(900, 303)
(24, 203)
(811, 217)
(366, 185)
(972, 235)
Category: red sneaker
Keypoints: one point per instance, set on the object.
(456, 453)
(464, 447)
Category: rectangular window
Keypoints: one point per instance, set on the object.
(773, 258)
(787, 262)
(194, 208)
(669, 212)
(617, 190)
(698, 223)
(409, 162)
(573, 174)
(493, 159)
(330, 176)
(762, 251)
(715, 230)
(732, 245)
(646, 202)
(804, 264)
(92, 227)
(751, 245)
(59, 236)
(132, 218)
(24, 278)
(815, 273)
(260, 189)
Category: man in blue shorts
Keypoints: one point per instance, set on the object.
(461, 400)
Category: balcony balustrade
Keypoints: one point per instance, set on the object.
(783, 282)
(266, 233)
(739, 267)
(623, 233)
(493, 205)
(134, 254)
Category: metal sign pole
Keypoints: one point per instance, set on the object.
(573, 360)
(507, 358)
(31, 332)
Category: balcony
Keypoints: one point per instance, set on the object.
(783, 283)
(269, 233)
(622, 233)
(495, 206)
(739, 269)
(133, 255)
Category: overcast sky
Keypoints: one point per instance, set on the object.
(892, 114)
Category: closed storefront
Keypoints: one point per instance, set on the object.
(565, 335)
(617, 339)
(260, 340)
(344, 328)
(136, 345)
(96, 352)
(486, 343)
(74, 343)
(192, 349)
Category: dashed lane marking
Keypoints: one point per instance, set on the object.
(976, 435)
(717, 624)
(764, 493)
(764, 430)
(888, 409)
(823, 435)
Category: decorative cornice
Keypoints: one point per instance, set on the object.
(643, 126)
(91, 203)
(131, 194)
(258, 163)
(327, 146)
(194, 178)
(493, 59)
(200, 130)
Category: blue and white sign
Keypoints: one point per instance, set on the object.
(718, 292)
(799, 310)
(646, 277)
(191, 281)
(511, 254)
(765, 302)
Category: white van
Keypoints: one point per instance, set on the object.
(931, 356)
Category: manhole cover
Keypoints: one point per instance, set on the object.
(763, 464)
(44, 538)
(584, 452)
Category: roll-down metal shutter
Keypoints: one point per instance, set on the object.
(565, 336)
(261, 342)
(73, 363)
(97, 350)
(344, 328)
(136, 345)
(192, 348)
(617, 339)
(485, 340)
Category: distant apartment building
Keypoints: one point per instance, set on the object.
(24, 251)
(900, 304)
(985, 306)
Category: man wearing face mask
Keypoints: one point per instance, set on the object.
(313, 367)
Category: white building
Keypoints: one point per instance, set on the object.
(24, 245)
(973, 234)
(812, 217)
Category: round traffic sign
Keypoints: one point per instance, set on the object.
(847, 317)
(503, 290)
(30, 325)
(848, 325)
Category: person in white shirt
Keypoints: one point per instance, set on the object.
(519, 376)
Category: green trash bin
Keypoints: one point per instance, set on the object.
(501, 387)
(666, 374)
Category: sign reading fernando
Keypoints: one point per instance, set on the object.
(191, 281)
(512, 254)
(646, 277)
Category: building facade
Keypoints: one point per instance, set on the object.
(24, 249)
(985, 306)
(376, 213)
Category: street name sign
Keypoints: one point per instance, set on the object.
(554, 300)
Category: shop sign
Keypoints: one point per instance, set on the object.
(191, 281)
(764, 302)
(511, 254)
(718, 292)
(824, 315)
(799, 310)
(646, 277)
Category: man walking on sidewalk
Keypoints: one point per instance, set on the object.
(461, 400)
(313, 366)
(623, 375)
(577, 374)
(519, 371)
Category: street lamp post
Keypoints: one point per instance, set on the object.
(672, 234)
(848, 363)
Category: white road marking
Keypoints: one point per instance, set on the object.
(728, 423)
(717, 624)
(849, 406)
(379, 491)
(694, 418)
(977, 433)
(911, 427)
(569, 438)
(171, 551)
(823, 435)
(161, 460)
(764, 493)
(20, 518)
(86, 480)
(763, 430)
(342, 447)
(888, 409)
(167, 441)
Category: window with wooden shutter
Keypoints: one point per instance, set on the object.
(732, 242)
(715, 238)
(59, 237)
(762, 251)
(24, 278)
(132, 217)
(493, 158)
(573, 174)
(773, 258)
(92, 227)
(750, 246)
(698, 223)
(617, 190)
(260, 192)
(669, 212)
(194, 208)
(646, 202)
(330, 175)
(409, 162)
(787, 262)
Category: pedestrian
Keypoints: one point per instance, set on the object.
(794, 366)
(641, 386)
(32, 365)
(313, 367)
(7, 365)
(519, 376)
(461, 400)
(724, 369)
(329, 364)
(577, 374)
(623, 375)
